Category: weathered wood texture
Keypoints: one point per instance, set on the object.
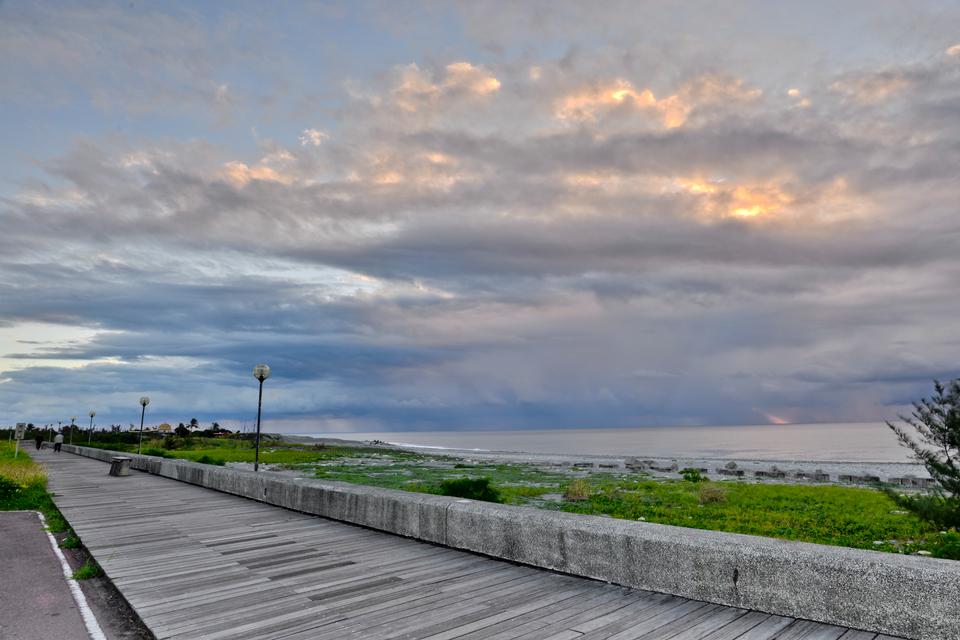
(195, 563)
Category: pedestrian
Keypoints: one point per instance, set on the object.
(57, 442)
(39, 440)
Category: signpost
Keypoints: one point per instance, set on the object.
(21, 427)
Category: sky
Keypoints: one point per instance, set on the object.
(468, 215)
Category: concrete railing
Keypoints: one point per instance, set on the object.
(887, 593)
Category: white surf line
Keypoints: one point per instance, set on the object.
(93, 627)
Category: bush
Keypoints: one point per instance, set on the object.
(205, 459)
(578, 489)
(712, 494)
(937, 422)
(948, 546)
(473, 488)
(692, 475)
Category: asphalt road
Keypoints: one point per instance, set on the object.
(35, 600)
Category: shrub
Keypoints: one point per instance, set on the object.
(473, 488)
(692, 475)
(578, 489)
(712, 494)
(937, 422)
(205, 459)
(948, 545)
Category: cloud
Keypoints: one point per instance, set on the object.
(589, 103)
(414, 89)
(313, 137)
(524, 236)
(240, 174)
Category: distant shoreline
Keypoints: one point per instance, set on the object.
(883, 470)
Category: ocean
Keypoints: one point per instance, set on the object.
(848, 442)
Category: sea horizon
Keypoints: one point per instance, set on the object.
(827, 441)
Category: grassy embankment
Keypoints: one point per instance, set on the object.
(23, 487)
(845, 516)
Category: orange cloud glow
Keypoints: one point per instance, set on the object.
(738, 201)
(416, 89)
(239, 174)
(772, 419)
(589, 103)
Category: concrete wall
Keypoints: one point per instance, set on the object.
(905, 596)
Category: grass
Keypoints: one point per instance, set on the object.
(23, 487)
(72, 541)
(845, 516)
(578, 489)
(90, 569)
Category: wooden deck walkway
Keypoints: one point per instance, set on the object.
(196, 563)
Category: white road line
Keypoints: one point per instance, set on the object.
(93, 627)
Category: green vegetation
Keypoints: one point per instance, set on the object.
(712, 494)
(845, 516)
(937, 422)
(578, 489)
(23, 487)
(692, 475)
(830, 515)
(90, 569)
(72, 541)
(473, 488)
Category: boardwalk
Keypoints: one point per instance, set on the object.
(195, 563)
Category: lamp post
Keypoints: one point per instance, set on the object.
(261, 372)
(72, 426)
(90, 433)
(144, 401)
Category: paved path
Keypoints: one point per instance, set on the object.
(196, 563)
(35, 600)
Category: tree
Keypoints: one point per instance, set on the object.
(182, 431)
(937, 423)
(194, 423)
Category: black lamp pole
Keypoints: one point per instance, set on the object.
(261, 372)
(144, 401)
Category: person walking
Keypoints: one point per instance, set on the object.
(39, 440)
(57, 442)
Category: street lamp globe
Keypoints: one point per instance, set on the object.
(261, 372)
(144, 401)
(92, 413)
